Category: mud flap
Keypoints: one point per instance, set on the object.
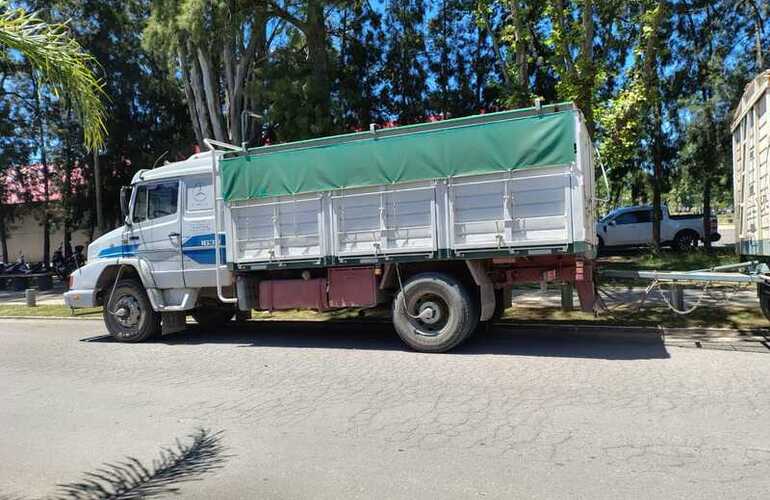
(172, 322)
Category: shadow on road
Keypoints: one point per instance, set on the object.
(533, 341)
(132, 479)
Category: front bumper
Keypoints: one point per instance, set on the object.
(80, 298)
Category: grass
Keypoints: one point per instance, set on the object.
(669, 260)
(733, 317)
(48, 311)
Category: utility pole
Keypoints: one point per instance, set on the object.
(98, 189)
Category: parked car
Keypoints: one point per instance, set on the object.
(632, 227)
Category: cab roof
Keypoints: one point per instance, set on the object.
(199, 163)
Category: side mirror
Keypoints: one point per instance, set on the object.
(125, 198)
(613, 223)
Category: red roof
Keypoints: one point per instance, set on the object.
(26, 183)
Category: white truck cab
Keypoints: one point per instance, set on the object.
(165, 247)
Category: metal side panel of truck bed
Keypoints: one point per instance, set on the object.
(510, 183)
(751, 168)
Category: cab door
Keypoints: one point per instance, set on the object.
(632, 228)
(155, 232)
(198, 254)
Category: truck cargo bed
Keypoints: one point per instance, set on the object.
(510, 198)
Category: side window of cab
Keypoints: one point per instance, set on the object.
(154, 201)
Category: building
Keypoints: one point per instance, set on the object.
(22, 210)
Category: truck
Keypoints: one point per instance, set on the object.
(632, 227)
(751, 176)
(436, 221)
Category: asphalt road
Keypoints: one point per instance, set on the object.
(321, 411)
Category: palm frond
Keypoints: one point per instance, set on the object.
(60, 62)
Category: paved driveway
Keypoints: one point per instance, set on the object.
(320, 411)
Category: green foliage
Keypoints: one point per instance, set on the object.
(655, 79)
(60, 62)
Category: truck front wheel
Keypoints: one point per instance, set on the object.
(434, 313)
(128, 314)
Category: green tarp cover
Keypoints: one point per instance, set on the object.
(453, 148)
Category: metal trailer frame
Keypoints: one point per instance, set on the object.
(755, 274)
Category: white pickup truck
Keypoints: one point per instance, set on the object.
(632, 226)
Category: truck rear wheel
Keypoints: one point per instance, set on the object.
(434, 313)
(212, 313)
(129, 316)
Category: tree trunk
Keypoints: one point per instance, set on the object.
(707, 213)
(653, 96)
(657, 160)
(46, 175)
(587, 67)
(4, 234)
(98, 194)
(196, 86)
(479, 84)
(211, 91)
(521, 51)
(190, 97)
(320, 93)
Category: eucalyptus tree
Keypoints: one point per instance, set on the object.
(212, 47)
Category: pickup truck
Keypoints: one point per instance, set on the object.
(632, 227)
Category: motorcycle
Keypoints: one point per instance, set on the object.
(63, 265)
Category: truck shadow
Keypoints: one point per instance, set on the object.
(525, 341)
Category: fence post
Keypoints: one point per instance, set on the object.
(31, 295)
(677, 296)
(567, 303)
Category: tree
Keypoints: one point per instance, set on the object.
(213, 47)
(309, 17)
(404, 72)
(459, 59)
(360, 59)
(653, 34)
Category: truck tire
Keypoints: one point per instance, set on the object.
(685, 241)
(212, 313)
(129, 316)
(434, 313)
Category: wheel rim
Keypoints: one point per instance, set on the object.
(686, 241)
(128, 312)
(428, 313)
